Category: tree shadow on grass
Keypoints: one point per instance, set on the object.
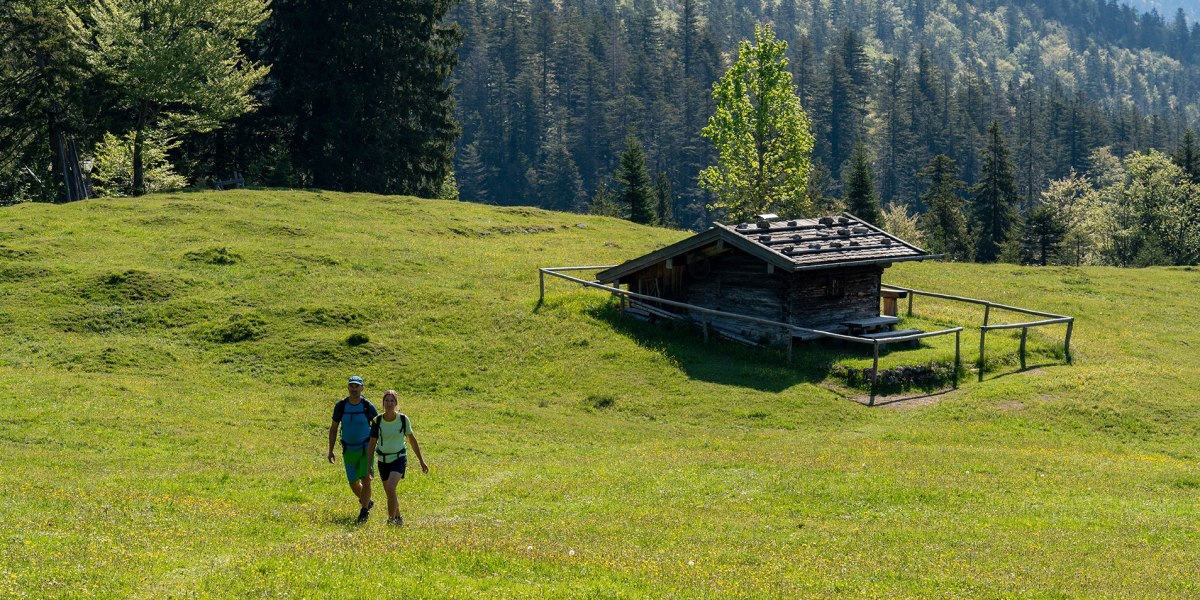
(723, 361)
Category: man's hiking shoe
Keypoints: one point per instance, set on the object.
(370, 504)
(363, 513)
(397, 521)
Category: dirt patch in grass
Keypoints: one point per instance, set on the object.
(904, 401)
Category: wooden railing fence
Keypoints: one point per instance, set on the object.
(1051, 319)
(790, 329)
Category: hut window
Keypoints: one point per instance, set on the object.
(834, 289)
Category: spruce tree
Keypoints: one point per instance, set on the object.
(364, 90)
(42, 70)
(944, 225)
(994, 199)
(1187, 156)
(636, 194)
(861, 200)
(1042, 236)
(664, 207)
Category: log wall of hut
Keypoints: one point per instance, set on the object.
(739, 283)
(833, 295)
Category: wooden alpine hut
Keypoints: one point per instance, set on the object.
(824, 274)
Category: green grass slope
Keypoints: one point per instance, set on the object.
(168, 366)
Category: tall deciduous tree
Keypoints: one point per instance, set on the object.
(761, 134)
(363, 87)
(176, 64)
(994, 199)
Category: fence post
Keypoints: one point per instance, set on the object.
(704, 323)
(1067, 343)
(874, 375)
(982, 337)
(541, 286)
(910, 297)
(956, 357)
(987, 308)
(791, 338)
(1024, 333)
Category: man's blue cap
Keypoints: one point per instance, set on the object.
(356, 379)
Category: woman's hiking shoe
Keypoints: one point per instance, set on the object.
(397, 521)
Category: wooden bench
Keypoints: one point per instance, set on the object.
(805, 336)
(870, 324)
(237, 182)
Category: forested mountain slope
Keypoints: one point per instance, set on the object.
(547, 91)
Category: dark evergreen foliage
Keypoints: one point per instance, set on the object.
(994, 199)
(361, 92)
(860, 198)
(945, 223)
(1187, 156)
(1042, 235)
(637, 196)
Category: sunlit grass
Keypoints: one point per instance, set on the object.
(169, 364)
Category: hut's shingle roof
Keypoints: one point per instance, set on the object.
(790, 244)
(826, 241)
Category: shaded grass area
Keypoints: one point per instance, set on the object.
(169, 365)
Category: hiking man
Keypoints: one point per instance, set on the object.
(388, 433)
(354, 414)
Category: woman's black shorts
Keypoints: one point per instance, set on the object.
(396, 466)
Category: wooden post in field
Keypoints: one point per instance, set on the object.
(1024, 333)
(541, 286)
(791, 339)
(874, 375)
(1067, 343)
(987, 308)
(910, 297)
(982, 337)
(704, 325)
(956, 358)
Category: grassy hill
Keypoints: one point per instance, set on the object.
(169, 364)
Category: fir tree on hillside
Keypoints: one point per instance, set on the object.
(944, 225)
(664, 213)
(1042, 236)
(636, 196)
(861, 200)
(362, 90)
(994, 199)
(1187, 156)
(41, 66)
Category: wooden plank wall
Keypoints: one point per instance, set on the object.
(808, 302)
(739, 283)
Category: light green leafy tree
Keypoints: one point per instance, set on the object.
(113, 174)
(177, 65)
(761, 133)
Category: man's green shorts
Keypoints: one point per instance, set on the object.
(358, 464)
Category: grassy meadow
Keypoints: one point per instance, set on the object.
(168, 366)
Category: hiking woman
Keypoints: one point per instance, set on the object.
(388, 434)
